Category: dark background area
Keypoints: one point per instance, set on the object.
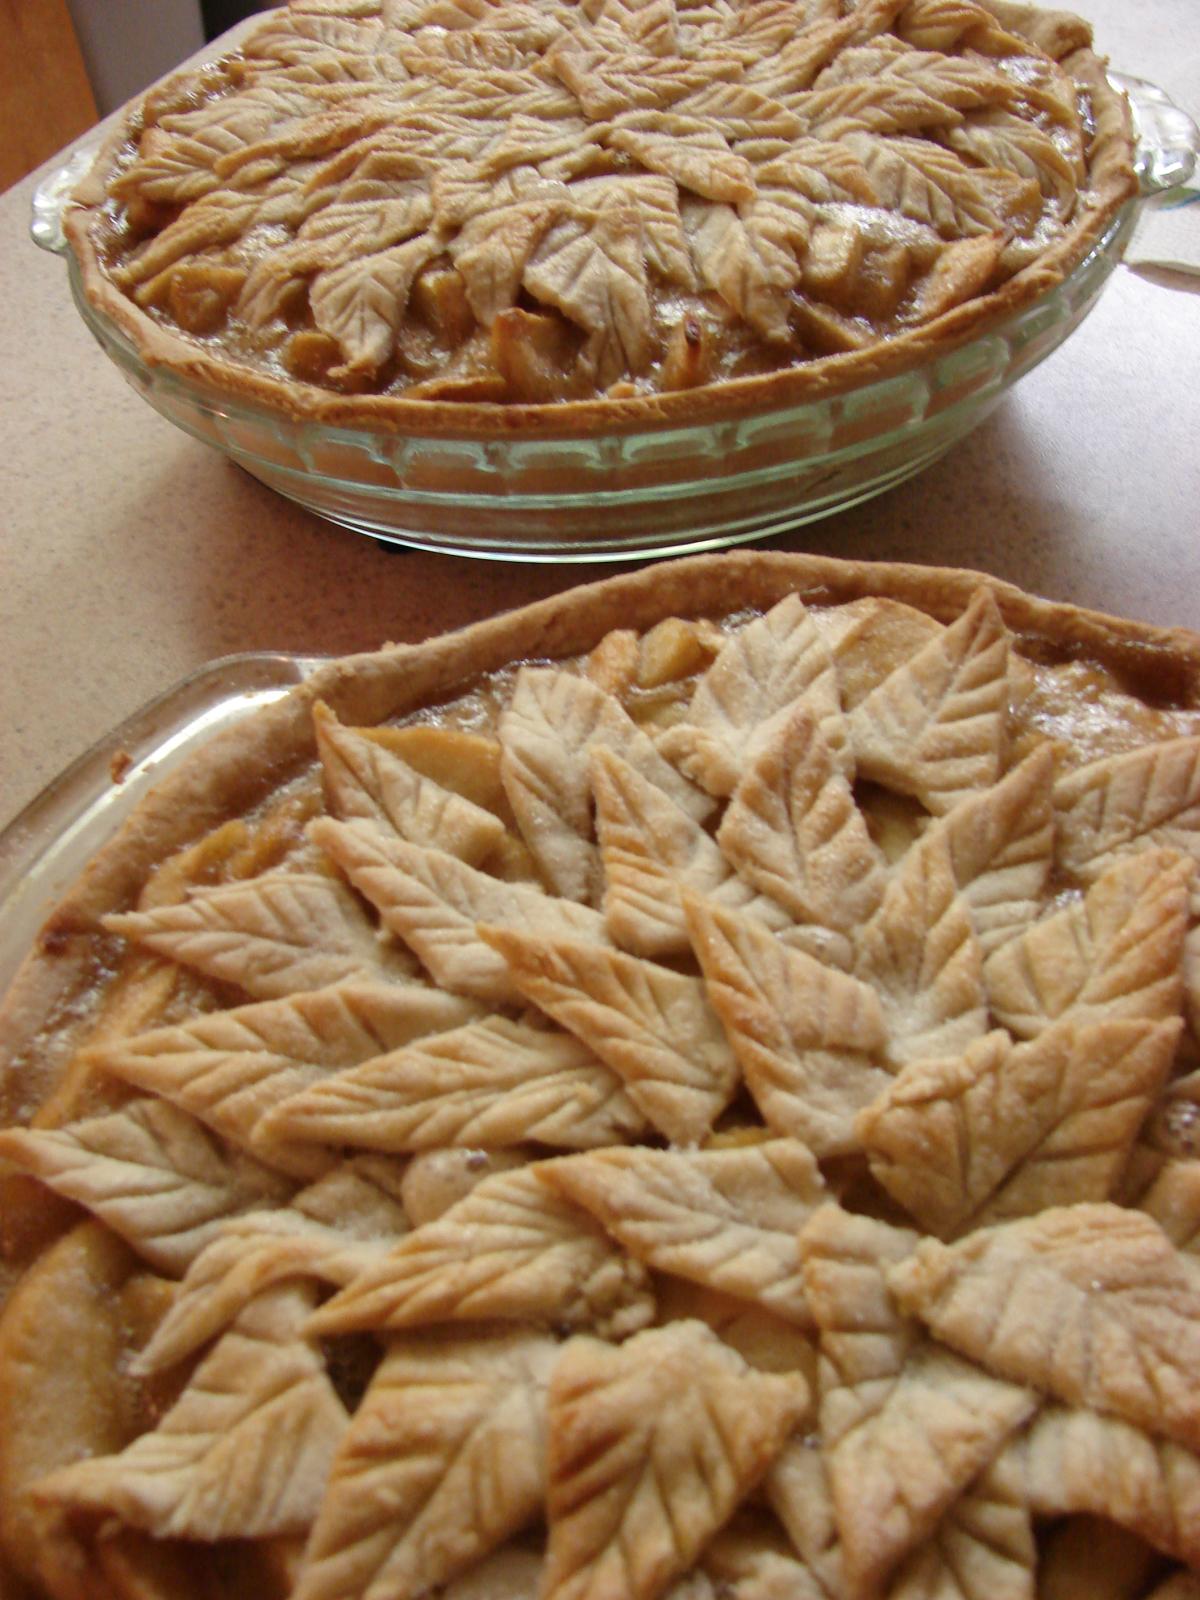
(221, 14)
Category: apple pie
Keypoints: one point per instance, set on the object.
(687, 1091)
(413, 210)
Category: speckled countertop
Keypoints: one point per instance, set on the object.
(130, 554)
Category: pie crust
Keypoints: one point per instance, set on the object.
(686, 1089)
(437, 214)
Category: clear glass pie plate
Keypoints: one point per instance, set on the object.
(628, 493)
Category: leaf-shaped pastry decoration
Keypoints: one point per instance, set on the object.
(696, 158)
(360, 302)
(927, 183)
(229, 1068)
(1146, 796)
(1090, 1303)
(983, 1548)
(434, 902)
(999, 847)
(1077, 1462)
(151, 1172)
(363, 778)
(652, 851)
(444, 1460)
(273, 935)
(652, 1446)
(244, 1452)
(1117, 953)
(899, 92)
(1005, 1131)
(511, 1249)
(759, 674)
(650, 1024)
(921, 954)
(591, 268)
(547, 733)
(1002, 139)
(491, 252)
(748, 255)
(793, 830)
(750, 1560)
(907, 1426)
(807, 1038)
(489, 1084)
(654, 202)
(796, 1488)
(864, 1339)
(726, 1218)
(173, 168)
(935, 728)
(249, 1255)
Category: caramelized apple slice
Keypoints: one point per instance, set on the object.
(533, 352)
(63, 1396)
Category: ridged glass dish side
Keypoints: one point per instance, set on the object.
(45, 848)
(661, 491)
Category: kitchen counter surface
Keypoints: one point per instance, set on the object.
(131, 554)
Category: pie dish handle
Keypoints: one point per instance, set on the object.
(1166, 140)
(52, 194)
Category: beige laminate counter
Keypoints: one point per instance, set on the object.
(131, 554)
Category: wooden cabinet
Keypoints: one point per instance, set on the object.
(45, 97)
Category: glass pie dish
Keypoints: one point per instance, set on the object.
(639, 491)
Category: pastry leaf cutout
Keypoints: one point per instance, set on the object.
(1004, 1131)
(1118, 953)
(245, 1451)
(793, 830)
(1145, 796)
(510, 1249)
(653, 1445)
(807, 1037)
(231, 1068)
(275, 935)
(547, 732)
(153, 1173)
(653, 852)
(444, 1460)
(250, 1255)
(363, 778)
(434, 903)
(906, 1425)
(998, 847)
(1089, 1303)
(758, 676)
(725, 1218)
(982, 1549)
(935, 728)
(489, 1084)
(1079, 1462)
(650, 1024)
(921, 955)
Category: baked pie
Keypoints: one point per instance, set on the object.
(686, 1090)
(424, 210)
